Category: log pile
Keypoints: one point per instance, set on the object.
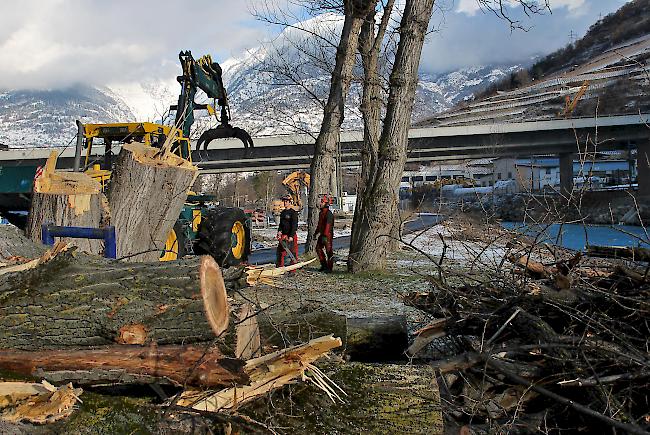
(69, 317)
(559, 347)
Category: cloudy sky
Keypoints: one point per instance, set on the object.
(48, 44)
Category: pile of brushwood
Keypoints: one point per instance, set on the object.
(543, 346)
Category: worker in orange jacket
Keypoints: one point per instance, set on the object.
(325, 234)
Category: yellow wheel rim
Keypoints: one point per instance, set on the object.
(171, 247)
(238, 240)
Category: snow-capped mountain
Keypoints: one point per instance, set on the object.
(283, 86)
(279, 87)
(47, 118)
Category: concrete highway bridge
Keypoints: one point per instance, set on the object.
(559, 137)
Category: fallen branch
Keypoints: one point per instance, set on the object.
(177, 365)
(266, 373)
(268, 274)
(37, 403)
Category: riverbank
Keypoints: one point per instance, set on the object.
(589, 207)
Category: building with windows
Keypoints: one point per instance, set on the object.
(540, 173)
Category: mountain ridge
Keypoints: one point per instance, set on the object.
(262, 100)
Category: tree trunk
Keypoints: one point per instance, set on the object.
(323, 165)
(371, 105)
(176, 365)
(369, 250)
(371, 338)
(80, 300)
(67, 199)
(147, 192)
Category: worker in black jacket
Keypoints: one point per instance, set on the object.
(287, 233)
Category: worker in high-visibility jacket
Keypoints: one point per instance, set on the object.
(325, 234)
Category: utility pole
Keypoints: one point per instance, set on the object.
(572, 37)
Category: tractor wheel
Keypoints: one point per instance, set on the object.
(175, 244)
(224, 234)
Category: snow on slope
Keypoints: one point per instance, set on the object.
(148, 100)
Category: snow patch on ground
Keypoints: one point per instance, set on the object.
(456, 244)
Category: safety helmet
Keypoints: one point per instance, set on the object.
(325, 199)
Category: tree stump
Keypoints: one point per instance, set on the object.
(67, 199)
(368, 339)
(148, 189)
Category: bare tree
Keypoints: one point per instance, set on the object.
(376, 218)
(370, 44)
(296, 66)
(323, 165)
(380, 197)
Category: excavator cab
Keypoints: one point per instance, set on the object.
(111, 135)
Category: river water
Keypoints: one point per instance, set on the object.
(577, 237)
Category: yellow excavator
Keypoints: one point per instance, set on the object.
(296, 183)
(571, 104)
(223, 232)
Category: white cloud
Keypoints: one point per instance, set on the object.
(56, 43)
(471, 7)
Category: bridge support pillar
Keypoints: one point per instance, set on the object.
(643, 167)
(566, 173)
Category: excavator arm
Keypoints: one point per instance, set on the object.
(206, 75)
(293, 183)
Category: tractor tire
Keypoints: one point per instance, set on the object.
(224, 234)
(175, 244)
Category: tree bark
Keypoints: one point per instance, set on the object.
(369, 250)
(177, 365)
(80, 300)
(323, 165)
(147, 192)
(67, 199)
(371, 105)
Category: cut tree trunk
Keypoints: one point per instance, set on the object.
(376, 338)
(368, 251)
(67, 199)
(148, 189)
(177, 365)
(79, 300)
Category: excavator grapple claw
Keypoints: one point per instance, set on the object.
(224, 132)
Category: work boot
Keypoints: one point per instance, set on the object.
(323, 267)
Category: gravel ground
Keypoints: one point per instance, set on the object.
(381, 294)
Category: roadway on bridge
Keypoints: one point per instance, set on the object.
(423, 221)
(292, 152)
